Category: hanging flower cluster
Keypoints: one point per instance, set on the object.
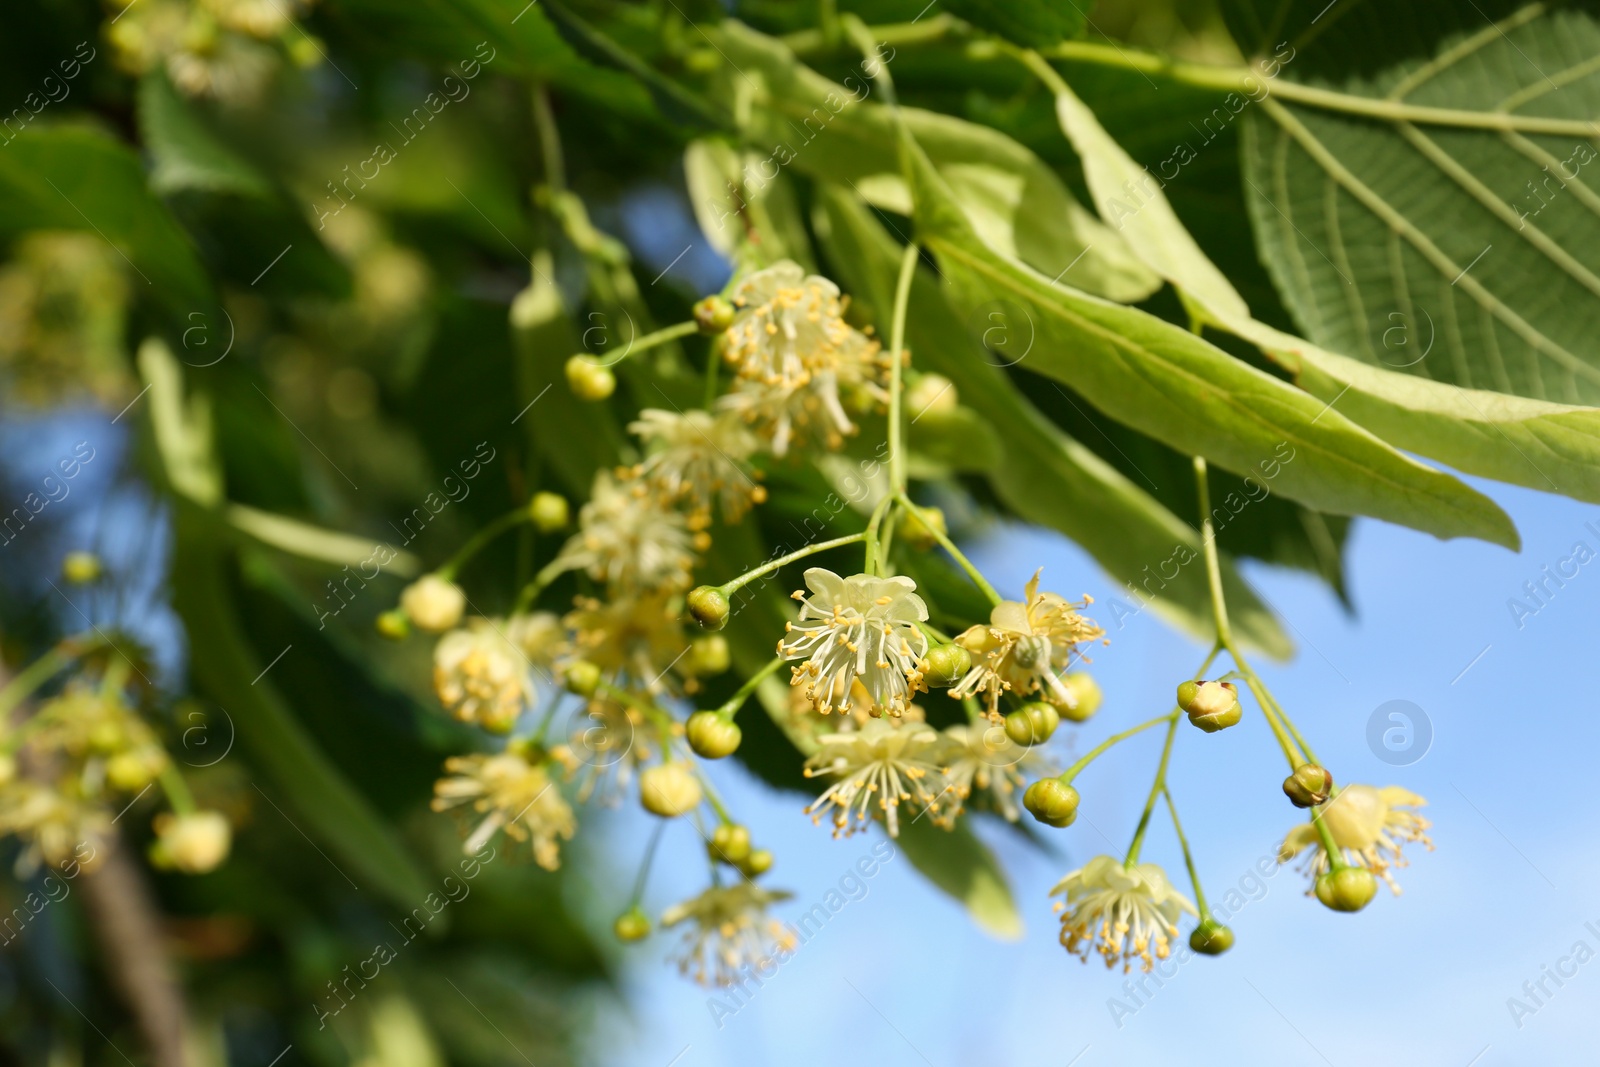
(863, 653)
(227, 49)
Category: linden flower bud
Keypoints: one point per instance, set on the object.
(758, 862)
(1086, 690)
(669, 790)
(433, 603)
(945, 665)
(395, 625)
(193, 843)
(1052, 801)
(549, 512)
(1211, 706)
(931, 396)
(1308, 786)
(708, 655)
(708, 606)
(918, 527)
(632, 925)
(1347, 889)
(81, 568)
(730, 843)
(713, 736)
(589, 379)
(582, 678)
(1033, 723)
(714, 314)
(136, 768)
(1211, 938)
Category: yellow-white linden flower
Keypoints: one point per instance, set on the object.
(608, 743)
(195, 843)
(513, 795)
(876, 769)
(794, 353)
(55, 823)
(434, 604)
(729, 931)
(860, 627)
(985, 762)
(641, 636)
(697, 460)
(628, 540)
(1025, 648)
(1123, 913)
(539, 635)
(1369, 825)
(480, 676)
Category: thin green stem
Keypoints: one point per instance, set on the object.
(37, 673)
(555, 167)
(923, 31)
(873, 563)
(665, 335)
(1156, 788)
(731, 706)
(1094, 753)
(1188, 859)
(713, 357)
(712, 796)
(735, 584)
(177, 791)
(1219, 610)
(530, 592)
(1325, 835)
(644, 867)
(897, 344)
(477, 541)
(955, 553)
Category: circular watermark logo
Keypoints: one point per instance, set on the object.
(1407, 341)
(1005, 331)
(207, 735)
(1399, 733)
(607, 344)
(206, 345)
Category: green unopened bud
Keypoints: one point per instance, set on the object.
(500, 719)
(549, 512)
(1347, 889)
(714, 314)
(1087, 693)
(918, 528)
(632, 925)
(708, 655)
(589, 379)
(1033, 723)
(931, 396)
(946, 665)
(132, 769)
(730, 843)
(713, 736)
(1308, 786)
(1211, 938)
(1211, 706)
(81, 568)
(582, 678)
(758, 862)
(708, 606)
(395, 625)
(1051, 801)
(669, 790)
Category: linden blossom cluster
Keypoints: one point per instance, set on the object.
(72, 762)
(860, 648)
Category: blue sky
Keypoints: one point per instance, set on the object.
(901, 976)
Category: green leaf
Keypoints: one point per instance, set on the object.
(79, 178)
(1035, 23)
(1010, 196)
(1044, 475)
(311, 542)
(187, 155)
(1525, 442)
(1459, 245)
(1171, 385)
(956, 862)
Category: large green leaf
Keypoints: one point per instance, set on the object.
(1010, 196)
(1527, 442)
(1172, 385)
(1460, 244)
(1045, 476)
(79, 178)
